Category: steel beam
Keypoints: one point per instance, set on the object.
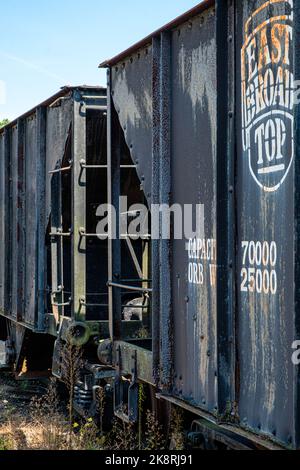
(166, 340)
(57, 281)
(41, 210)
(114, 187)
(155, 311)
(8, 221)
(20, 210)
(225, 203)
(78, 209)
(296, 45)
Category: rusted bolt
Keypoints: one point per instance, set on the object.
(202, 337)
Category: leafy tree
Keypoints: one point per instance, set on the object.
(4, 122)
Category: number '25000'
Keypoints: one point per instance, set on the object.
(259, 267)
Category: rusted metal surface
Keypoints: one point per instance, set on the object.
(30, 148)
(52, 101)
(225, 35)
(173, 24)
(297, 204)
(131, 88)
(265, 218)
(194, 182)
(140, 93)
(30, 221)
(2, 220)
(234, 312)
(143, 360)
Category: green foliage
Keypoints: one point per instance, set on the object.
(4, 122)
(5, 443)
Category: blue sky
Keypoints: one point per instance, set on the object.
(46, 44)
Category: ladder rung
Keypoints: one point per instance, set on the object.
(82, 233)
(85, 304)
(90, 97)
(60, 233)
(95, 107)
(60, 170)
(84, 165)
(129, 288)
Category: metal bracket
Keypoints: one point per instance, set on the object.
(94, 107)
(83, 303)
(129, 288)
(56, 304)
(127, 410)
(84, 166)
(61, 170)
(60, 233)
(83, 234)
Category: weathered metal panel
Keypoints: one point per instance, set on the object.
(265, 213)
(2, 221)
(194, 182)
(58, 124)
(14, 222)
(41, 222)
(31, 221)
(131, 88)
(78, 210)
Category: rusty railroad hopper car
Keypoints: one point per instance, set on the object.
(206, 106)
(53, 266)
(201, 112)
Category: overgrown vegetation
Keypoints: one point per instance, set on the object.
(4, 122)
(50, 423)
